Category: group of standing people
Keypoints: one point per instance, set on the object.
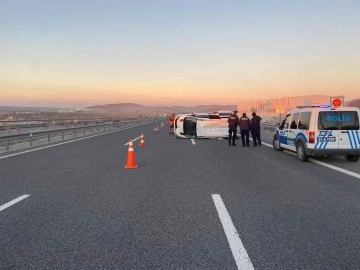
(246, 126)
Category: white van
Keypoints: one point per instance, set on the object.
(320, 131)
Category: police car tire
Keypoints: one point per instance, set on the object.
(300, 147)
(352, 158)
(279, 148)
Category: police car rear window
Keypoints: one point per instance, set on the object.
(338, 120)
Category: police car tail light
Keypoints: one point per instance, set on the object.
(311, 137)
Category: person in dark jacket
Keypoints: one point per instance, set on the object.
(233, 121)
(255, 129)
(245, 125)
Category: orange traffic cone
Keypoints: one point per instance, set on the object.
(131, 161)
(142, 141)
(157, 129)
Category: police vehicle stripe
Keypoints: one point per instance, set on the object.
(330, 133)
(324, 142)
(358, 137)
(321, 143)
(351, 144)
(352, 137)
(355, 142)
(317, 143)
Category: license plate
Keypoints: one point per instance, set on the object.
(326, 139)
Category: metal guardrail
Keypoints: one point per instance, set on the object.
(23, 137)
(269, 125)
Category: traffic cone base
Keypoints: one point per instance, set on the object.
(131, 167)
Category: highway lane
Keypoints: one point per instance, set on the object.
(86, 211)
(338, 161)
(290, 215)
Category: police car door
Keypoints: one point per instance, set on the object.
(348, 123)
(284, 132)
(293, 131)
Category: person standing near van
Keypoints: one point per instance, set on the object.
(171, 122)
(233, 121)
(245, 125)
(255, 129)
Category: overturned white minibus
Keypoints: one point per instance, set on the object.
(190, 126)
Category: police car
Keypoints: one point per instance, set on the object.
(320, 131)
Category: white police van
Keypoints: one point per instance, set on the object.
(320, 131)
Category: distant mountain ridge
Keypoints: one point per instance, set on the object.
(160, 109)
(353, 103)
(25, 109)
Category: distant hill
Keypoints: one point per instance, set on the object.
(132, 107)
(353, 103)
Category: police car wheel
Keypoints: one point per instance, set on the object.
(276, 144)
(352, 158)
(301, 153)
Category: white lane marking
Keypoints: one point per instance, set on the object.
(193, 141)
(6, 205)
(80, 139)
(133, 140)
(335, 168)
(237, 248)
(356, 175)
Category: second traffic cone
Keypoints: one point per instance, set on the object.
(131, 160)
(157, 129)
(142, 141)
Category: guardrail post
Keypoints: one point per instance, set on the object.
(7, 146)
(31, 140)
(92, 130)
(74, 133)
(84, 132)
(48, 137)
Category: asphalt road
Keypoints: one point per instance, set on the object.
(85, 211)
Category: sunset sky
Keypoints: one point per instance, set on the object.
(81, 53)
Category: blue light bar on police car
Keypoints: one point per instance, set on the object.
(324, 106)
